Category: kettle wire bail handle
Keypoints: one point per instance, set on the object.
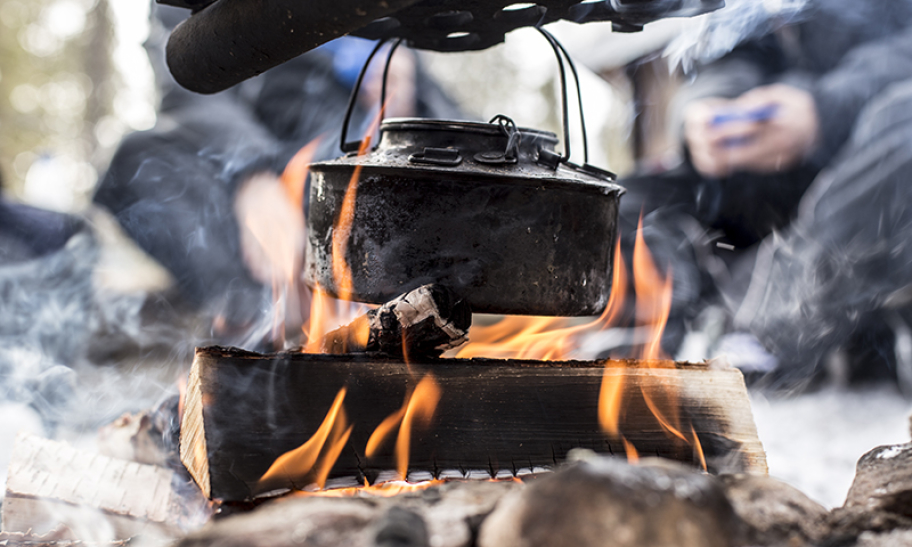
(561, 53)
(353, 98)
(514, 137)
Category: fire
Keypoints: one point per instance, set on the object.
(653, 307)
(342, 274)
(545, 338)
(610, 400)
(653, 296)
(632, 455)
(419, 406)
(314, 459)
(327, 313)
(698, 448)
(273, 218)
(386, 489)
(611, 393)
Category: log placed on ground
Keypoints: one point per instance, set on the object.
(243, 410)
(91, 497)
(424, 322)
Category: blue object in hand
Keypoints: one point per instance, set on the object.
(762, 114)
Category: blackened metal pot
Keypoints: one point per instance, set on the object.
(489, 210)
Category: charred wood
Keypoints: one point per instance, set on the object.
(243, 410)
(424, 322)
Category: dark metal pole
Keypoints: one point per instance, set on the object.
(232, 40)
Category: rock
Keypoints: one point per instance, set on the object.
(847, 524)
(601, 500)
(454, 511)
(883, 481)
(774, 512)
(447, 515)
(400, 527)
(880, 499)
(897, 538)
(298, 522)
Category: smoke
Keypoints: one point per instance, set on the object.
(76, 350)
(718, 33)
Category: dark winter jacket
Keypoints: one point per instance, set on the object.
(844, 52)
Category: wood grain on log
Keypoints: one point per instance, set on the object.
(243, 410)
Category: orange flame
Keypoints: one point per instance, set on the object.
(610, 400)
(385, 489)
(318, 454)
(698, 448)
(653, 294)
(545, 338)
(632, 455)
(342, 275)
(276, 229)
(317, 324)
(419, 406)
(611, 393)
(327, 313)
(294, 177)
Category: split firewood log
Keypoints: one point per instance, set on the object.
(244, 410)
(84, 496)
(424, 322)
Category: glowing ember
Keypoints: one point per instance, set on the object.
(386, 489)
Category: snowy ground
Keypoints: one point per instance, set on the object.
(813, 441)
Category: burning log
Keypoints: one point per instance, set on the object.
(247, 415)
(84, 495)
(424, 322)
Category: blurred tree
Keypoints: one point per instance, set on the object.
(56, 85)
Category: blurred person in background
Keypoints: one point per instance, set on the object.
(791, 205)
(200, 192)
